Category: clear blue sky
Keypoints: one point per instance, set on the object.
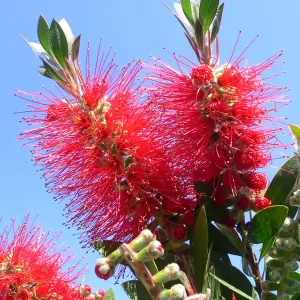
(137, 28)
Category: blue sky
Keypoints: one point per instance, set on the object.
(137, 29)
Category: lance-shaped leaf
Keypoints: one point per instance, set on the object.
(266, 246)
(207, 12)
(217, 23)
(43, 32)
(68, 32)
(135, 290)
(59, 43)
(266, 223)
(75, 48)
(231, 287)
(200, 247)
(187, 9)
(220, 243)
(282, 184)
(233, 237)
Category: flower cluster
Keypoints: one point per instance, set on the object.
(32, 268)
(101, 148)
(215, 118)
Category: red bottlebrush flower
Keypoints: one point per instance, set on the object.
(31, 267)
(256, 181)
(232, 181)
(202, 74)
(104, 152)
(262, 202)
(215, 117)
(243, 202)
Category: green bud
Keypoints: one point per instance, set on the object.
(291, 243)
(295, 199)
(268, 296)
(277, 252)
(280, 242)
(277, 275)
(291, 265)
(177, 292)
(293, 286)
(288, 229)
(275, 263)
(140, 242)
(283, 296)
(153, 251)
(268, 285)
(169, 273)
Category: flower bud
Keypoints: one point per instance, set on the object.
(288, 228)
(283, 296)
(268, 285)
(261, 203)
(140, 242)
(276, 275)
(243, 202)
(295, 199)
(102, 269)
(170, 272)
(268, 296)
(291, 265)
(280, 243)
(293, 286)
(177, 292)
(277, 252)
(153, 251)
(275, 263)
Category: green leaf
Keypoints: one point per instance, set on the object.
(296, 132)
(219, 242)
(187, 9)
(59, 43)
(282, 184)
(266, 223)
(75, 48)
(200, 247)
(266, 246)
(52, 73)
(207, 12)
(295, 276)
(296, 296)
(135, 290)
(68, 32)
(199, 33)
(231, 287)
(217, 22)
(110, 295)
(43, 32)
(105, 247)
(232, 236)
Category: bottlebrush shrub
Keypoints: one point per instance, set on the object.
(31, 267)
(178, 152)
